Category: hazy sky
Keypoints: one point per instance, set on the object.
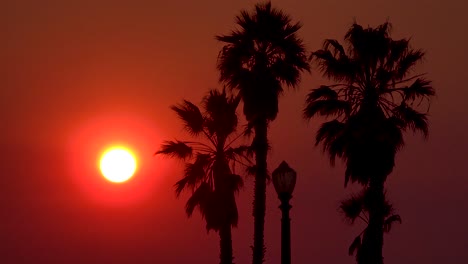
(78, 75)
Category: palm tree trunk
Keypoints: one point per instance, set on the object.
(260, 144)
(221, 170)
(225, 244)
(372, 242)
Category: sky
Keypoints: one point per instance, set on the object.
(78, 76)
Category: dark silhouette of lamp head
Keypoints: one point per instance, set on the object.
(284, 180)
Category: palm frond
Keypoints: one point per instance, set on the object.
(419, 88)
(393, 133)
(331, 135)
(221, 117)
(323, 92)
(352, 207)
(387, 207)
(354, 32)
(234, 182)
(191, 116)
(243, 151)
(397, 49)
(287, 74)
(355, 246)
(334, 46)
(194, 173)
(288, 65)
(251, 170)
(338, 69)
(200, 198)
(370, 45)
(327, 107)
(407, 62)
(389, 221)
(411, 118)
(176, 149)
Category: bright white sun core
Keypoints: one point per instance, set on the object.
(118, 164)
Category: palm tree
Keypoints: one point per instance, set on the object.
(374, 99)
(210, 163)
(258, 59)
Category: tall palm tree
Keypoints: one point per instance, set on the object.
(258, 59)
(210, 163)
(375, 98)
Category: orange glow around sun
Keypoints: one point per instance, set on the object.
(111, 159)
(118, 164)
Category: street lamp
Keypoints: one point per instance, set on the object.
(284, 180)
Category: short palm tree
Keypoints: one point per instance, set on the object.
(374, 99)
(258, 59)
(209, 163)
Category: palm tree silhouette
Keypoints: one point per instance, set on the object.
(374, 100)
(258, 59)
(210, 163)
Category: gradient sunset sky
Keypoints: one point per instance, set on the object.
(77, 75)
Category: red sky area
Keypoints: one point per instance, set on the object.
(79, 75)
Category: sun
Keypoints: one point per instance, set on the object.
(118, 164)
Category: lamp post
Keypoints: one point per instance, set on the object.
(284, 180)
